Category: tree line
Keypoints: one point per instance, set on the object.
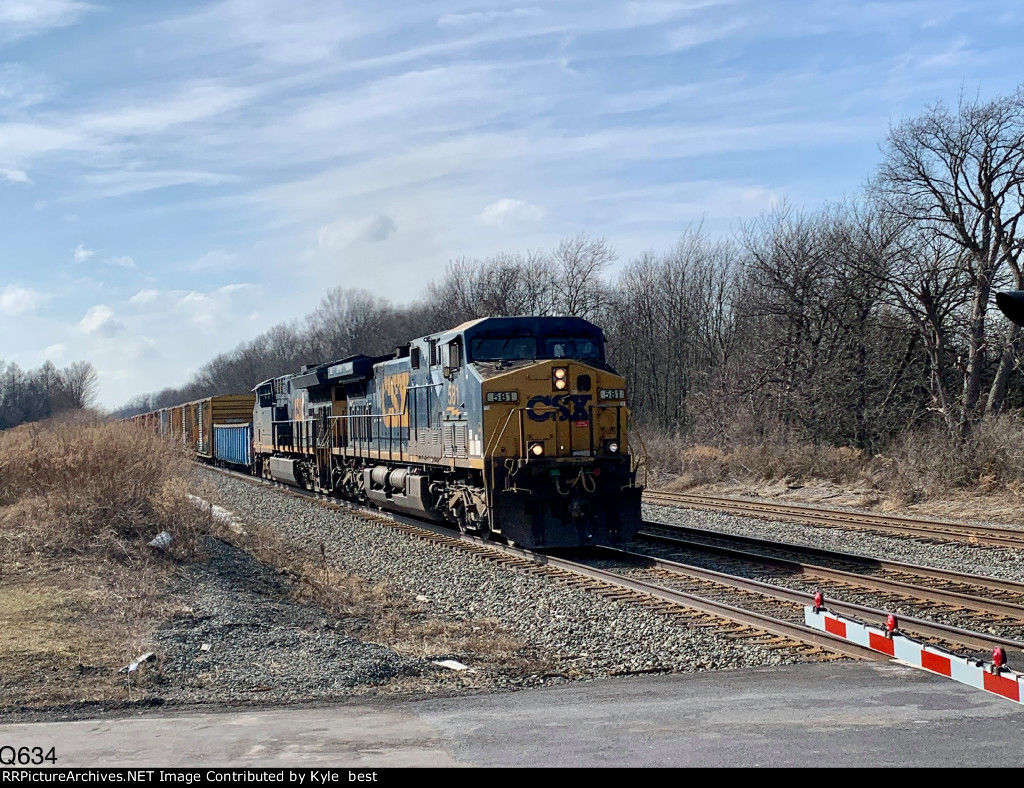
(848, 325)
(44, 392)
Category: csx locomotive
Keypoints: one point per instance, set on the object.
(508, 427)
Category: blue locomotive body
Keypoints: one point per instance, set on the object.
(512, 427)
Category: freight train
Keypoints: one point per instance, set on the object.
(513, 428)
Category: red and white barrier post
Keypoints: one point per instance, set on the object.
(992, 677)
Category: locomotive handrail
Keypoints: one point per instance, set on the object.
(640, 462)
(349, 440)
(496, 436)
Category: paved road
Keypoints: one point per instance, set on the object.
(849, 714)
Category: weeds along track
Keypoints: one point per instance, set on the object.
(921, 529)
(753, 624)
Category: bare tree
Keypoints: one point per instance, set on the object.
(668, 325)
(80, 382)
(503, 285)
(959, 174)
(352, 321)
(578, 265)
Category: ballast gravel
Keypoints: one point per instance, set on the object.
(963, 557)
(264, 647)
(244, 638)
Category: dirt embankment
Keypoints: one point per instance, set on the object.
(230, 615)
(969, 505)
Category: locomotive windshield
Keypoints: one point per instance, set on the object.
(572, 347)
(504, 348)
(513, 348)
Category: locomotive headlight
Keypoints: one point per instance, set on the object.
(613, 447)
(560, 378)
(537, 448)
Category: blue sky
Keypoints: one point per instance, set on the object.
(177, 177)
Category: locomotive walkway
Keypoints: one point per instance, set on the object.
(852, 714)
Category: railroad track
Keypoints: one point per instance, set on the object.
(784, 603)
(739, 608)
(986, 591)
(917, 528)
(730, 621)
(992, 607)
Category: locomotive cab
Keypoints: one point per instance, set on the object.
(556, 458)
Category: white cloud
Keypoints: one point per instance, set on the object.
(345, 233)
(132, 180)
(134, 348)
(194, 102)
(508, 211)
(694, 35)
(20, 18)
(16, 300)
(21, 88)
(52, 352)
(235, 288)
(201, 308)
(379, 228)
(144, 297)
(19, 140)
(477, 17)
(100, 320)
(652, 12)
(14, 175)
(124, 261)
(81, 254)
(288, 32)
(218, 258)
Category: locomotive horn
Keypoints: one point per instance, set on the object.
(1011, 304)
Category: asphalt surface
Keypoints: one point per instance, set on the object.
(852, 714)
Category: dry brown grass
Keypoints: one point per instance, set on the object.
(924, 468)
(79, 500)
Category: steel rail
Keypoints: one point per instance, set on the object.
(956, 598)
(964, 637)
(962, 578)
(767, 624)
(713, 607)
(925, 529)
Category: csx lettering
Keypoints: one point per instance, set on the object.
(564, 407)
(393, 399)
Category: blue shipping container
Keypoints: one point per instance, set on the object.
(233, 443)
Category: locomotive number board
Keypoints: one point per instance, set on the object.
(503, 396)
(611, 393)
